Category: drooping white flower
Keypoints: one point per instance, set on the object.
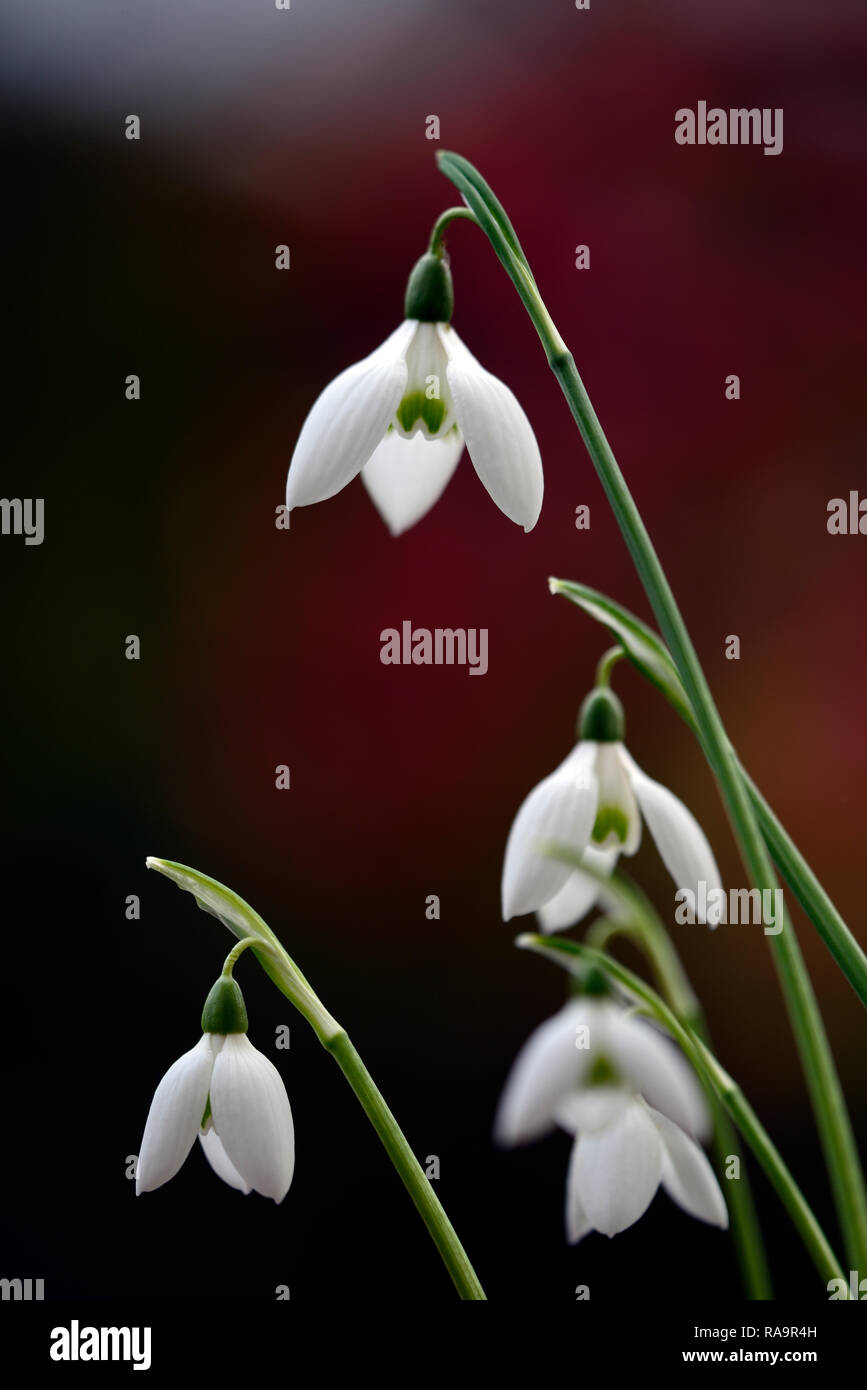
(594, 803)
(634, 1105)
(229, 1094)
(402, 416)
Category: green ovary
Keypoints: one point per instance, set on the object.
(418, 406)
(610, 820)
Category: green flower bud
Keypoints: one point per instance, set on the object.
(601, 718)
(224, 1011)
(430, 294)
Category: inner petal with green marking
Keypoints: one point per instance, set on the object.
(618, 822)
(602, 1072)
(426, 403)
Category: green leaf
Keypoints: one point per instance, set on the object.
(217, 900)
(481, 198)
(644, 648)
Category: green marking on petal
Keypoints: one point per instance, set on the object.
(418, 406)
(610, 819)
(602, 1073)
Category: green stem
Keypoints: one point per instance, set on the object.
(236, 952)
(410, 1170)
(729, 1093)
(652, 938)
(444, 221)
(810, 893)
(336, 1041)
(841, 1155)
(605, 664)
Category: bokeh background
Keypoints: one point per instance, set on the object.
(261, 647)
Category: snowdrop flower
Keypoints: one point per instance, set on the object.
(401, 418)
(232, 1097)
(634, 1105)
(594, 802)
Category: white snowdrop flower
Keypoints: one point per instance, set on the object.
(232, 1097)
(402, 416)
(634, 1105)
(594, 802)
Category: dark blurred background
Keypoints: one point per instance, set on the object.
(261, 647)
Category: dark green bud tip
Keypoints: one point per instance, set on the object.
(224, 1011)
(595, 982)
(601, 717)
(589, 980)
(430, 294)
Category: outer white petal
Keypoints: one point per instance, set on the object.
(548, 1067)
(405, 477)
(219, 1161)
(617, 1169)
(656, 1067)
(578, 1223)
(348, 421)
(578, 894)
(687, 1176)
(500, 439)
(175, 1115)
(252, 1118)
(562, 807)
(682, 844)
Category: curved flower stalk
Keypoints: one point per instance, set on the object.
(232, 1097)
(634, 1106)
(402, 416)
(234, 1131)
(595, 802)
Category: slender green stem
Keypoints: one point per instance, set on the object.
(810, 893)
(444, 221)
(608, 660)
(838, 1143)
(410, 1170)
(232, 958)
(718, 1079)
(240, 919)
(652, 938)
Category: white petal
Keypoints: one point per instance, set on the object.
(252, 1118)
(687, 1176)
(682, 844)
(617, 1169)
(500, 439)
(593, 1108)
(348, 421)
(219, 1161)
(405, 477)
(657, 1068)
(548, 1067)
(562, 807)
(578, 1223)
(578, 894)
(175, 1115)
